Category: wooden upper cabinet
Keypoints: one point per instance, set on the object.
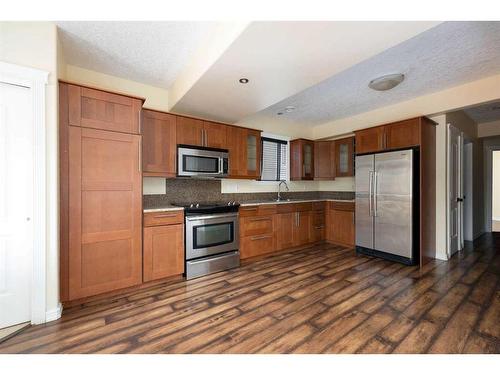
(344, 157)
(324, 160)
(244, 147)
(215, 135)
(158, 144)
(302, 159)
(105, 211)
(190, 131)
(402, 134)
(370, 140)
(397, 135)
(90, 108)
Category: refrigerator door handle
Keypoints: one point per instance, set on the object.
(370, 193)
(375, 193)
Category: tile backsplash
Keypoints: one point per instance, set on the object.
(210, 190)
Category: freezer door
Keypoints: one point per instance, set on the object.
(393, 202)
(364, 187)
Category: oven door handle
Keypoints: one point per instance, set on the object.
(208, 217)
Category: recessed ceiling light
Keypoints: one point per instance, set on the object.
(289, 109)
(244, 80)
(387, 82)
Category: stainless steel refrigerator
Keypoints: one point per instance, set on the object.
(387, 205)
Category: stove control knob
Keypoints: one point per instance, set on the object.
(191, 205)
(197, 205)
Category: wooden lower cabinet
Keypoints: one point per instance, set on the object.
(284, 230)
(163, 251)
(257, 245)
(302, 228)
(340, 224)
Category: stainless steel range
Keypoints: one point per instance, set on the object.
(211, 238)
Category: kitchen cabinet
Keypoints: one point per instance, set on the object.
(318, 222)
(158, 144)
(324, 160)
(91, 108)
(340, 223)
(285, 224)
(302, 229)
(344, 157)
(190, 131)
(105, 205)
(302, 159)
(215, 135)
(402, 134)
(244, 147)
(194, 132)
(370, 140)
(257, 230)
(163, 245)
(393, 136)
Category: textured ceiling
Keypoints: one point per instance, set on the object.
(485, 112)
(153, 53)
(447, 55)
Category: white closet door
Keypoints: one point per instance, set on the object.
(16, 204)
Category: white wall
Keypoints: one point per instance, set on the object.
(495, 197)
(34, 44)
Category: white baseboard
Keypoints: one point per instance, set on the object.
(54, 314)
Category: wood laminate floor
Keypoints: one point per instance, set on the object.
(323, 299)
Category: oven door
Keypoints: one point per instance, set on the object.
(199, 162)
(211, 234)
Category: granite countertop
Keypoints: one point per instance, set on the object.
(164, 208)
(169, 207)
(257, 203)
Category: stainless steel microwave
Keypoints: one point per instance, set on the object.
(194, 161)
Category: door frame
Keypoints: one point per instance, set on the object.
(35, 80)
(459, 187)
(489, 185)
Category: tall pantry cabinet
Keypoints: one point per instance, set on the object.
(101, 191)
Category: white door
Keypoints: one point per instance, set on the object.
(16, 204)
(455, 209)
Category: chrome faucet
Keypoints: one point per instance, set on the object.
(279, 189)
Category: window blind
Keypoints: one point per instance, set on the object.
(274, 159)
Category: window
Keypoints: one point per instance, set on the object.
(274, 160)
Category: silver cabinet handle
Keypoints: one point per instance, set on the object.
(166, 215)
(256, 238)
(260, 219)
(249, 209)
(319, 227)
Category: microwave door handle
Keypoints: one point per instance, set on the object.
(221, 165)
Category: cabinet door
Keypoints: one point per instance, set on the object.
(236, 144)
(105, 212)
(285, 224)
(342, 227)
(302, 230)
(344, 159)
(302, 159)
(253, 152)
(403, 134)
(244, 152)
(317, 227)
(324, 160)
(257, 245)
(370, 140)
(215, 135)
(163, 251)
(97, 109)
(189, 131)
(158, 144)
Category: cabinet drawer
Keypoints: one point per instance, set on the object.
(163, 218)
(318, 218)
(257, 210)
(255, 225)
(318, 233)
(318, 206)
(306, 206)
(342, 206)
(257, 245)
